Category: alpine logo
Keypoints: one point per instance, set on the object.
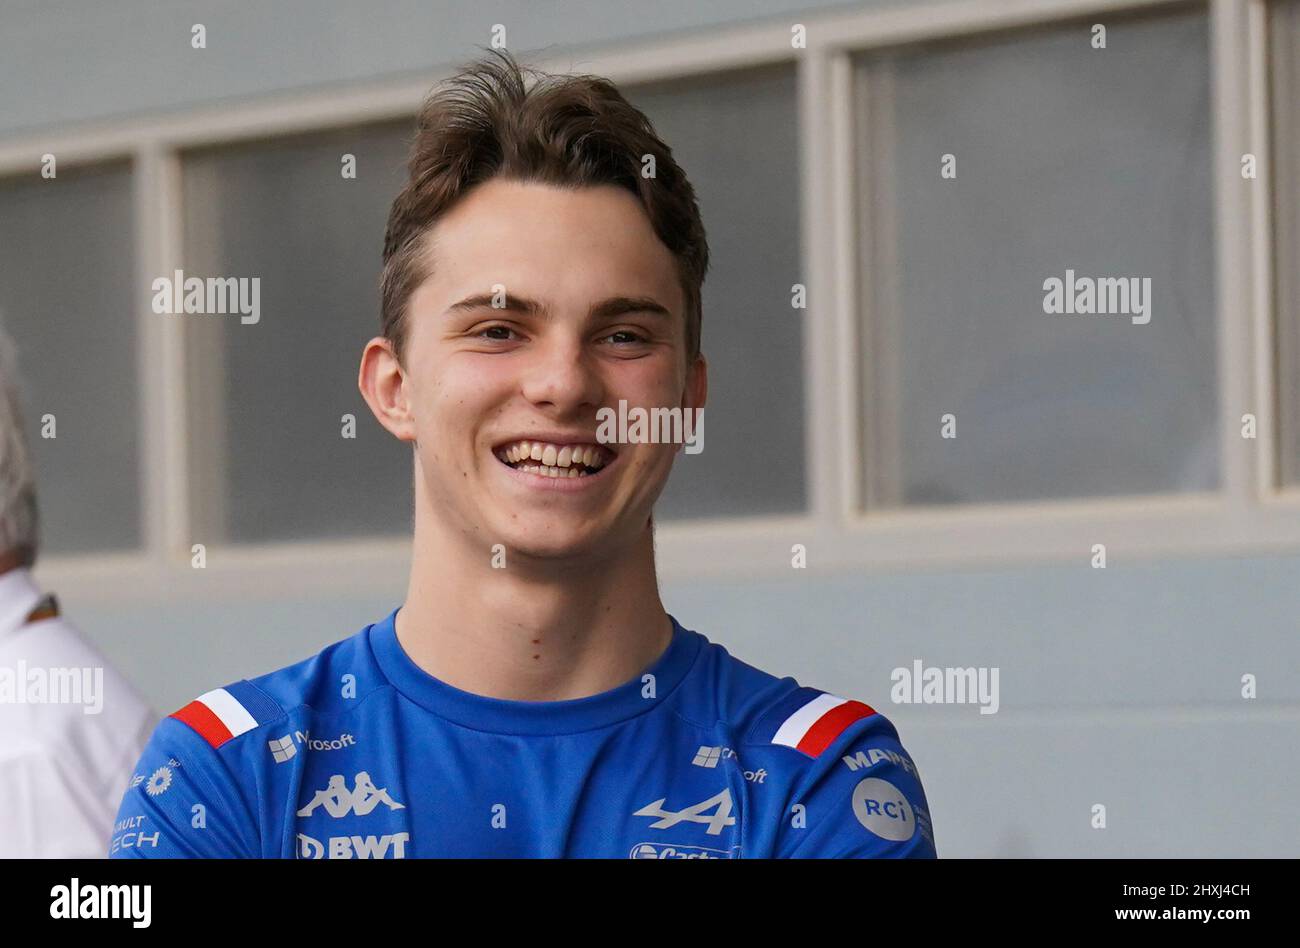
(695, 813)
(339, 801)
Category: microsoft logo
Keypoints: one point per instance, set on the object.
(707, 756)
(282, 749)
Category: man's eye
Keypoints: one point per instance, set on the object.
(502, 331)
(630, 338)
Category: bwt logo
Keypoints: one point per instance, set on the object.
(354, 847)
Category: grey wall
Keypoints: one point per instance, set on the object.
(1118, 687)
(70, 61)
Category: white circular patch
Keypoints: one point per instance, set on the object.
(158, 782)
(882, 809)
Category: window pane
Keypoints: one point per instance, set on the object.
(1285, 55)
(736, 138)
(270, 461)
(66, 295)
(1071, 163)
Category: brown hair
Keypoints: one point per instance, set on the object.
(571, 131)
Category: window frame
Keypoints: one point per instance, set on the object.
(1249, 513)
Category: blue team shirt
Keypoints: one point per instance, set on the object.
(359, 753)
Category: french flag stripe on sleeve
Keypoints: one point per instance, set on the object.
(217, 715)
(816, 724)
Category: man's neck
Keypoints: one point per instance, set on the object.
(533, 631)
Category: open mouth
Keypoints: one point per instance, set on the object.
(546, 459)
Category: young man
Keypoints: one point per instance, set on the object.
(531, 697)
(69, 724)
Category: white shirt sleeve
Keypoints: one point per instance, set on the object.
(62, 770)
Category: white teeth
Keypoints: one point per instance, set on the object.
(541, 470)
(565, 457)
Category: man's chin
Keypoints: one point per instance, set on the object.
(552, 547)
(566, 543)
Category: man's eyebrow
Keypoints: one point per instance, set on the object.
(614, 306)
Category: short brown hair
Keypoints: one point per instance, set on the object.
(570, 131)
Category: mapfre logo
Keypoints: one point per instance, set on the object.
(665, 851)
(354, 847)
(339, 801)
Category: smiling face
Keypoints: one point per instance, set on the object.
(502, 401)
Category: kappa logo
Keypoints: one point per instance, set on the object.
(339, 801)
(354, 847)
(692, 814)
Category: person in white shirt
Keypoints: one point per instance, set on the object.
(70, 727)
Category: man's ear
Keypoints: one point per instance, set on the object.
(383, 385)
(697, 383)
(694, 394)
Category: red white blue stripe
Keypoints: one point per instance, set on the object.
(817, 722)
(225, 713)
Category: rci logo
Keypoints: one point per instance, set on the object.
(881, 808)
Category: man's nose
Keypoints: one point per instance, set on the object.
(561, 374)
